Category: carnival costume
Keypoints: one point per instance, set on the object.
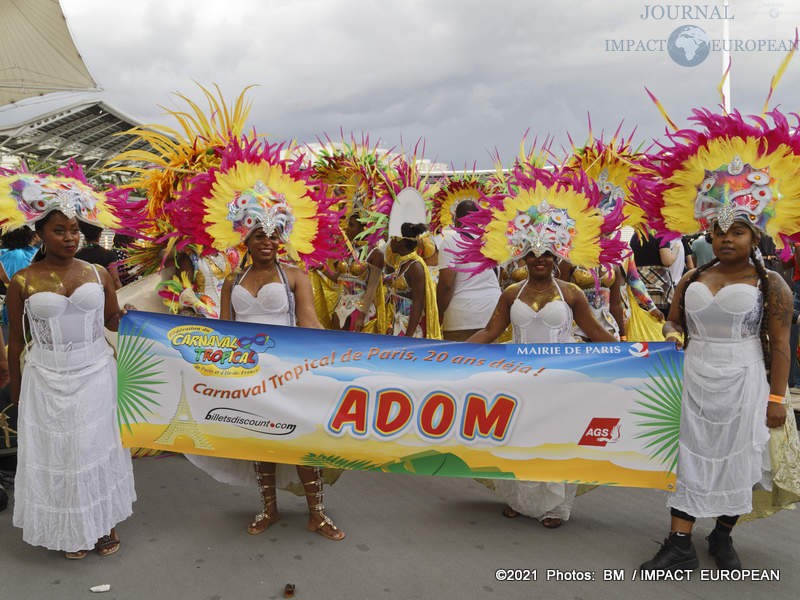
(611, 165)
(555, 213)
(254, 188)
(353, 174)
(169, 225)
(74, 479)
(404, 202)
(730, 170)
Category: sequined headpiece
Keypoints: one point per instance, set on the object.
(254, 187)
(611, 165)
(729, 169)
(547, 211)
(27, 197)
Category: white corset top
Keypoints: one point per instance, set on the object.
(551, 324)
(733, 313)
(272, 304)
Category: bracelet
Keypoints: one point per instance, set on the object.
(776, 398)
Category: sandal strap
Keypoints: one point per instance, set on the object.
(264, 515)
(106, 541)
(326, 520)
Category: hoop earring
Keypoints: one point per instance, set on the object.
(43, 249)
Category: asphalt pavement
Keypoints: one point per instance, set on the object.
(408, 537)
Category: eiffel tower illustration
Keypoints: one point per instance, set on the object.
(183, 424)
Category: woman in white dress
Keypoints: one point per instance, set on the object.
(550, 217)
(541, 309)
(276, 294)
(732, 315)
(724, 433)
(74, 479)
(259, 199)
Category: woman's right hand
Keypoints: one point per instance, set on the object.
(776, 414)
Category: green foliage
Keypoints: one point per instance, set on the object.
(326, 461)
(138, 375)
(661, 413)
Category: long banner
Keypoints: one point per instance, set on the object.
(591, 413)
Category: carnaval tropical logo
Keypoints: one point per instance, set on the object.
(213, 353)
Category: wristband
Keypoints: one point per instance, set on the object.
(674, 336)
(776, 398)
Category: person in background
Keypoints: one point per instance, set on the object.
(465, 302)
(120, 249)
(702, 250)
(17, 254)
(794, 338)
(660, 267)
(92, 252)
(686, 242)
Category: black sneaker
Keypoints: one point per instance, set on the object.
(3, 498)
(721, 548)
(671, 557)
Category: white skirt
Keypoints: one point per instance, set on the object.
(723, 450)
(74, 479)
(537, 499)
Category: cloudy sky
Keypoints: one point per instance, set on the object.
(469, 76)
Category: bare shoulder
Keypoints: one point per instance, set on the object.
(777, 283)
(569, 289)
(512, 290)
(294, 273)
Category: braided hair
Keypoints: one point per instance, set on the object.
(763, 277)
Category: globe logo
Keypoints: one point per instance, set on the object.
(689, 45)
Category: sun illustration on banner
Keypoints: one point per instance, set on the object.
(661, 412)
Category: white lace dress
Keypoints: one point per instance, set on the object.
(723, 440)
(74, 479)
(552, 324)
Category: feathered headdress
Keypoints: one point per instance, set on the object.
(611, 165)
(174, 157)
(452, 193)
(254, 187)
(404, 173)
(548, 211)
(731, 169)
(352, 171)
(27, 197)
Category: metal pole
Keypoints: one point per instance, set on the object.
(726, 57)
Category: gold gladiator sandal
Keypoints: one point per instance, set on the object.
(318, 521)
(265, 475)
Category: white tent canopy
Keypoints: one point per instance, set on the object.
(37, 54)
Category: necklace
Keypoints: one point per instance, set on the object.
(547, 287)
(541, 296)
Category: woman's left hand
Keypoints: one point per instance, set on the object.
(776, 414)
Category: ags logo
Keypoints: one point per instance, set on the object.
(600, 432)
(639, 350)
